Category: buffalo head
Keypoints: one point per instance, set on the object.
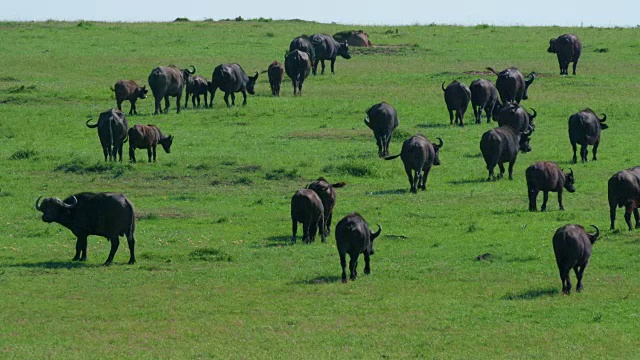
(343, 50)
(54, 209)
(252, 83)
(166, 143)
(142, 92)
(436, 149)
(552, 46)
(372, 237)
(569, 180)
(602, 124)
(528, 82)
(525, 136)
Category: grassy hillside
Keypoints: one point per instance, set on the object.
(216, 275)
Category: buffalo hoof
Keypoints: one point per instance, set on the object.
(562, 208)
(344, 280)
(131, 262)
(107, 263)
(75, 259)
(637, 226)
(533, 209)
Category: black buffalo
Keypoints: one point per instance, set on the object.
(110, 215)
(572, 246)
(516, 116)
(568, 48)
(112, 130)
(297, 65)
(166, 81)
(584, 129)
(325, 47)
(354, 237)
(327, 194)
(276, 74)
(484, 96)
(457, 96)
(129, 90)
(382, 118)
(512, 85)
(307, 208)
(501, 145)
(147, 137)
(418, 155)
(624, 190)
(196, 86)
(547, 176)
(303, 43)
(231, 79)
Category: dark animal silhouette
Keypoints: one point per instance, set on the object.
(147, 137)
(382, 118)
(501, 145)
(276, 74)
(307, 208)
(418, 155)
(297, 65)
(129, 90)
(484, 96)
(572, 246)
(354, 237)
(568, 48)
(110, 215)
(326, 47)
(166, 81)
(231, 78)
(196, 86)
(303, 43)
(112, 130)
(516, 116)
(457, 96)
(624, 190)
(512, 85)
(547, 176)
(327, 194)
(584, 129)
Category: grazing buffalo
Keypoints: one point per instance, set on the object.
(484, 96)
(327, 194)
(147, 137)
(568, 48)
(383, 120)
(129, 90)
(624, 190)
(354, 237)
(196, 86)
(572, 246)
(166, 81)
(584, 129)
(231, 79)
(501, 145)
(516, 116)
(276, 74)
(325, 47)
(303, 43)
(297, 66)
(457, 96)
(112, 130)
(546, 176)
(110, 215)
(306, 208)
(512, 85)
(418, 155)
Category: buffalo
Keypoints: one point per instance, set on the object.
(196, 86)
(297, 66)
(584, 129)
(307, 208)
(516, 116)
(502, 144)
(326, 47)
(624, 190)
(166, 81)
(457, 96)
(382, 118)
(276, 74)
(231, 79)
(418, 155)
(547, 176)
(572, 246)
(484, 96)
(512, 85)
(112, 130)
(129, 90)
(327, 194)
(354, 237)
(303, 43)
(147, 137)
(568, 49)
(110, 215)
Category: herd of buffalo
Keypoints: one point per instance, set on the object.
(112, 215)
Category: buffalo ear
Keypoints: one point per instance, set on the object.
(603, 126)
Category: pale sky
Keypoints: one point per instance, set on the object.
(607, 13)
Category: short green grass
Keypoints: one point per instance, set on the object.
(462, 270)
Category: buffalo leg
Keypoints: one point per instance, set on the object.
(353, 264)
(313, 230)
(584, 152)
(560, 200)
(315, 66)
(115, 242)
(166, 104)
(636, 216)
(186, 100)
(131, 241)
(574, 147)
(477, 116)
(333, 61)
(226, 99)
(564, 277)
(545, 198)
(410, 176)
(133, 109)
(119, 105)
(157, 105)
(423, 179)
(81, 249)
(595, 150)
(132, 154)
(533, 196)
(213, 94)
(460, 117)
(327, 223)
(367, 265)
(149, 153)
(575, 63)
(579, 272)
(244, 98)
(105, 152)
(205, 99)
(294, 231)
(612, 215)
(491, 175)
(233, 98)
(154, 147)
(450, 117)
(321, 228)
(380, 143)
(627, 216)
(501, 166)
(343, 264)
(511, 169)
(178, 98)
(322, 63)
(293, 83)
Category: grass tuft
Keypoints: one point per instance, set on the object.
(282, 173)
(23, 154)
(209, 254)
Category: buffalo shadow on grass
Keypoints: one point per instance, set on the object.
(318, 280)
(531, 294)
(431, 126)
(55, 265)
(467, 181)
(389, 192)
(282, 240)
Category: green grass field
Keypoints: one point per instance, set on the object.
(216, 276)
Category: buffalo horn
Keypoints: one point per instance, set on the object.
(528, 131)
(535, 113)
(441, 142)
(194, 70)
(597, 231)
(91, 126)
(570, 169)
(38, 205)
(604, 118)
(375, 234)
(443, 89)
(71, 206)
